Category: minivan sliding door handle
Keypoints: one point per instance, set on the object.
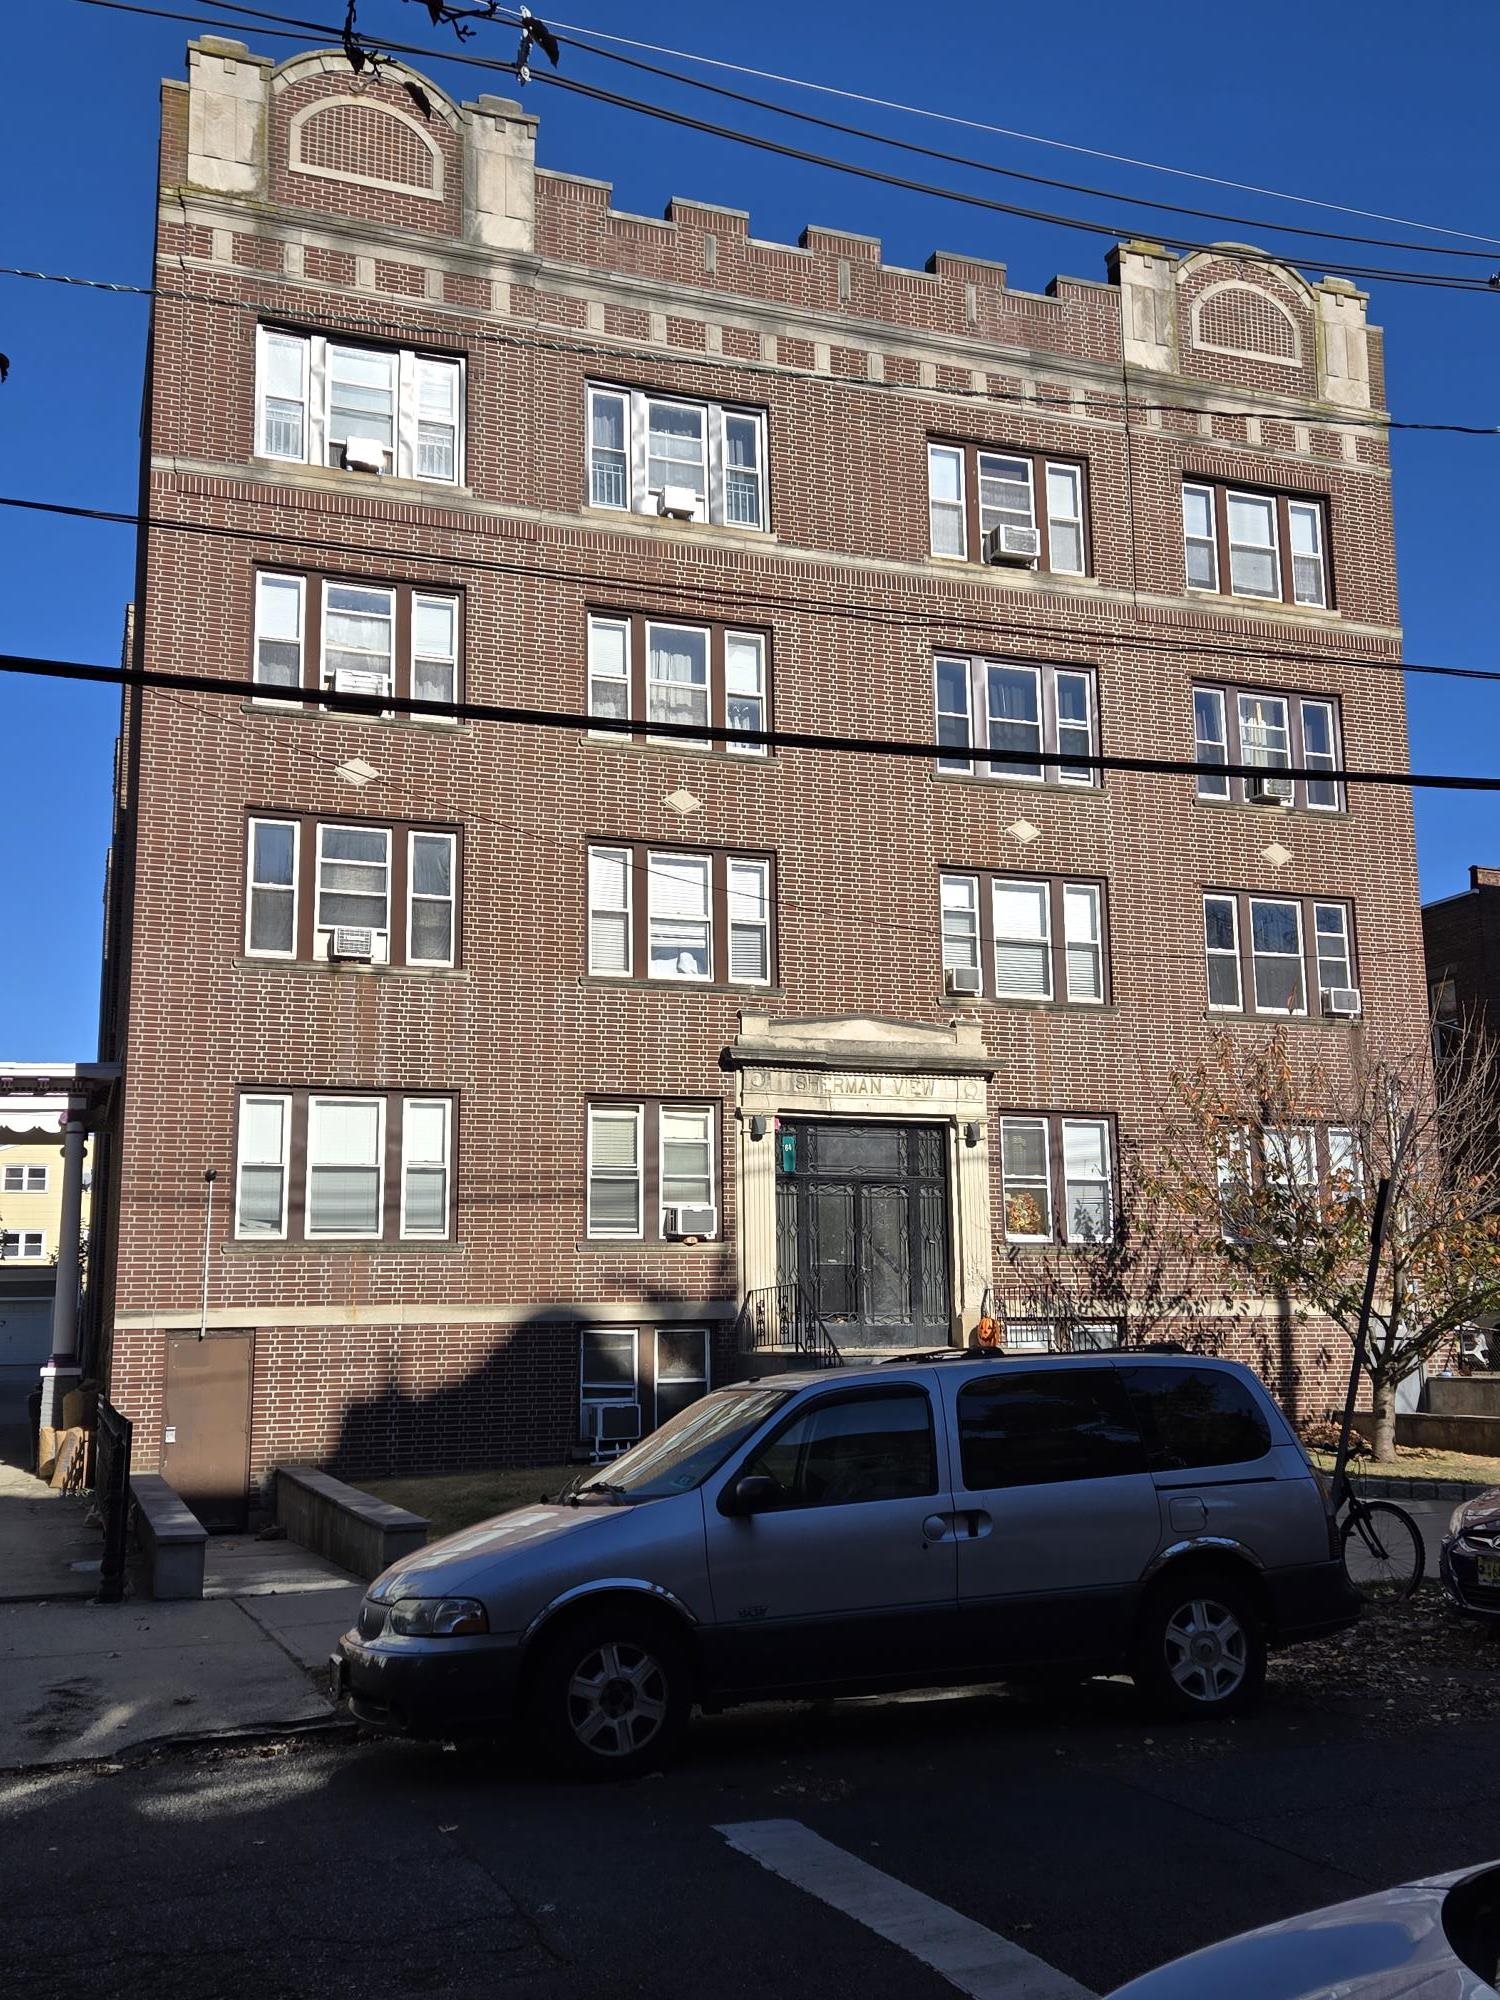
(967, 1525)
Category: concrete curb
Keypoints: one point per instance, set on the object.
(1372, 1488)
(334, 1727)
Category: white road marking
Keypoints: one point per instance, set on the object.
(977, 1961)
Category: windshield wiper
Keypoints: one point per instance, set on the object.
(604, 1486)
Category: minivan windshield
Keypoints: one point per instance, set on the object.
(688, 1447)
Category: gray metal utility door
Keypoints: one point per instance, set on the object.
(862, 1222)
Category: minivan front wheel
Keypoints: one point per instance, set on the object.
(611, 1693)
(1202, 1650)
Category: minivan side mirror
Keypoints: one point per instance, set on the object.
(750, 1495)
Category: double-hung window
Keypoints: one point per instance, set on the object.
(1271, 546)
(652, 1171)
(679, 914)
(1264, 954)
(23, 1245)
(654, 671)
(261, 1173)
(391, 890)
(355, 637)
(1057, 1180)
(431, 893)
(390, 410)
(1034, 938)
(25, 1180)
(353, 886)
(1003, 507)
(1015, 721)
(271, 893)
(651, 453)
(344, 1165)
(1275, 732)
(426, 1138)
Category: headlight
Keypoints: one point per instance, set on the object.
(1458, 1520)
(436, 1617)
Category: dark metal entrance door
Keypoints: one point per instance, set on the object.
(206, 1436)
(862, 1222)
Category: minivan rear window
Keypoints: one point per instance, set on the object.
(1043, 1425)
(1192, 1417)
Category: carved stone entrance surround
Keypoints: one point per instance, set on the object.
(855, 1066)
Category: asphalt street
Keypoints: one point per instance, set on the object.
(1071, 1826)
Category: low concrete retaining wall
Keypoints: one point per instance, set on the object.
(1463, 1395)
(174, 1539)
(1445, 1433)
(353, 1529)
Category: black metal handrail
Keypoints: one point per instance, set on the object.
(782, 1319)
(112, 1438)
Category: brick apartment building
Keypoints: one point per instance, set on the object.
(523, 1056)
(1461, 936)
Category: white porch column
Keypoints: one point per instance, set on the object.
(62, 1372)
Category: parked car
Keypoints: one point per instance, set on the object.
(948, 1519)
(1438, 1939)
(1469, 1559)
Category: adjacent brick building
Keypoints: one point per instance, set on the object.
(523, 1055)
(1461, 935)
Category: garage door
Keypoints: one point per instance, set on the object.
(25, 1332)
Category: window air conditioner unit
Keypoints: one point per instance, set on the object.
(1012, 545)
(352, 941)
(1343, 1002)
(681, 1222)
(677, 503)
(358, 680)
(1270, 791)
(612, 1423)
(364, 455)
(964, 979)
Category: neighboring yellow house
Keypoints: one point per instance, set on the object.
(31, 1175)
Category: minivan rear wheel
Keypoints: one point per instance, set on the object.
(610, 1693)
(1202, 1647)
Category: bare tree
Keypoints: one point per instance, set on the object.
(1274, 1161)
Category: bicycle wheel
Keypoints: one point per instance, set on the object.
(1384, 1556)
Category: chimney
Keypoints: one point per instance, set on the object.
(1483, 878)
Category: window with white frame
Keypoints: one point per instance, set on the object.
(974, 495)
(310, 1165)
(323, 401)
(1016, 721)
(1334, 959)
(426, 1137)
(608, 1368)
(1234, 1170)
(1221, 942)
(1290, 1159)
(22, 1245)
(345, 1166)
(1249, 544)
(1276, 732)
(307, 880)
(652, 1170)
(682, 1368)
(1265, 952)
(261, 1169)
(1276, 956)
(1057, 1179)
(25, 1179)
(355, 637)
(644, 445)
(1033, 938)
(654, 671)
(1346, 1164)
(679, 913)
(1296, 1165)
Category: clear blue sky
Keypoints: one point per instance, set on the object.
(1373, 106)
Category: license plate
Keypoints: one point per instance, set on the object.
(1489, 1569)
(337, 1670)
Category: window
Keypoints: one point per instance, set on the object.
(1045, 1336)
(312, 1165)
(1296, 1164)
(697, 676)
(1028, 937)
(369, 409)
(308, 879)
(1259, 946)
(1289, 1160)
(1194, 1417)
(1056, 1167)
(1037, 1428)
(652, 1171)
(1263, 545)
(1346, 1166)
(26, 1180)
(1015, 721)
(18, 1245)
(974, 494)
(681, 1368)
(356, 638)
(853, 1450)
(424, 1166)
(641, 443)
(1447, 1022)
(1234, 1162)
(671, 913)
(608, 1367)
(1277, 732)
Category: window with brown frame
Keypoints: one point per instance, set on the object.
(993, 506)
(1266, 954)
(315, 1165)
(1303, 1162)
(382, 891)
(357, 636)
(1036, 938)
(1056, 1178)
(680, 671)
(1278, 732)
(651, 1170)
(1243, 542)
(678, 913)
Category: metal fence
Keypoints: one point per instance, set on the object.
(112, 1497)
(781, 1319)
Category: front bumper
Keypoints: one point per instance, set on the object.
(1459, 1570)
(428, 1687)
(1311, 1601)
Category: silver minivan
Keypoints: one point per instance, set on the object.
(948, 1518)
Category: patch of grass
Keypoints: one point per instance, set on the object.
(1416, 1462)
(455, 1500)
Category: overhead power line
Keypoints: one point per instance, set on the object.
(694, 734)
(1443, 281)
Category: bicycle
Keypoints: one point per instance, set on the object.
(1384, 1555)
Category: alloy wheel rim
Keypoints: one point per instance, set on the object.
(1208, 1653)
(617, 1699)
